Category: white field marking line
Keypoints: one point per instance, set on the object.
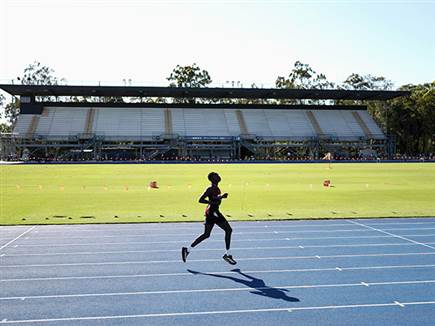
(78, 253)
(219, 312)
(407, 229)
(392, 234)
(307, 286)
(216, 260)
(179, 226)
(303, 270)
(214, 240)
(146, 235)
(5, 239)
(15, 239)
(399, 223)
(194, 226)
(12, 229)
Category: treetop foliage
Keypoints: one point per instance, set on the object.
(411, 119)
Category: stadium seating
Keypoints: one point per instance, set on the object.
(339, 124)
(120, 123)
(133, 123)
(23, 124)
(64, 121)
(371, 125)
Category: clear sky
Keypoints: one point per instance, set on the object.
(247, 41)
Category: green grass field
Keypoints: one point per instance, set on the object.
(42, 194)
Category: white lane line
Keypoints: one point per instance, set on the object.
(392, 234)
(406, 229)
(145, 234)
(5, 238)
(219, 312)
(142, 262)
(58, 229)
(306, 286)
(399, 304)
(78, 253)
(15, 239)
(214, 240)
(63, 278)
(398, 223)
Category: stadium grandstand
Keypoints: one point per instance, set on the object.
(52, 126)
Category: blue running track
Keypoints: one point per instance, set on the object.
(337, 272)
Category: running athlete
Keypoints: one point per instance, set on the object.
(213, 216)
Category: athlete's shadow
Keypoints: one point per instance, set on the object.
(257, 284)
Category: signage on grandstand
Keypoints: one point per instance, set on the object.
(208, 138)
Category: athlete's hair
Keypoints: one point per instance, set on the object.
(211, 175)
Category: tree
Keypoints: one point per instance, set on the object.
(412, 119)
(366, 82)
(11, 112)
(303, 76)
(189, 76)
(38, 74)
(4, 127)
(34, 74)
(282, 82)
(2, 100)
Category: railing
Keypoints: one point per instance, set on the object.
(163, 137)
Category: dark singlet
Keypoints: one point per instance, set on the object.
(212, 193)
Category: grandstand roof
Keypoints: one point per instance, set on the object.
(142, 91)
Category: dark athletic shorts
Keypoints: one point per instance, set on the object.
(214, 217)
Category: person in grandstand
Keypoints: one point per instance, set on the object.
(329, 157)
(213, 198)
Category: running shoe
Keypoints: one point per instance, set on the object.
(229, 259)
(184, 253)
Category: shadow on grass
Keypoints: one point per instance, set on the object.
(258, 285)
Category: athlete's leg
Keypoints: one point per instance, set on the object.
(224, 225)
(207, 230)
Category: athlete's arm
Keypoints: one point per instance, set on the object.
(203, 199)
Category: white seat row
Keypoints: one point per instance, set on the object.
(145, 122)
